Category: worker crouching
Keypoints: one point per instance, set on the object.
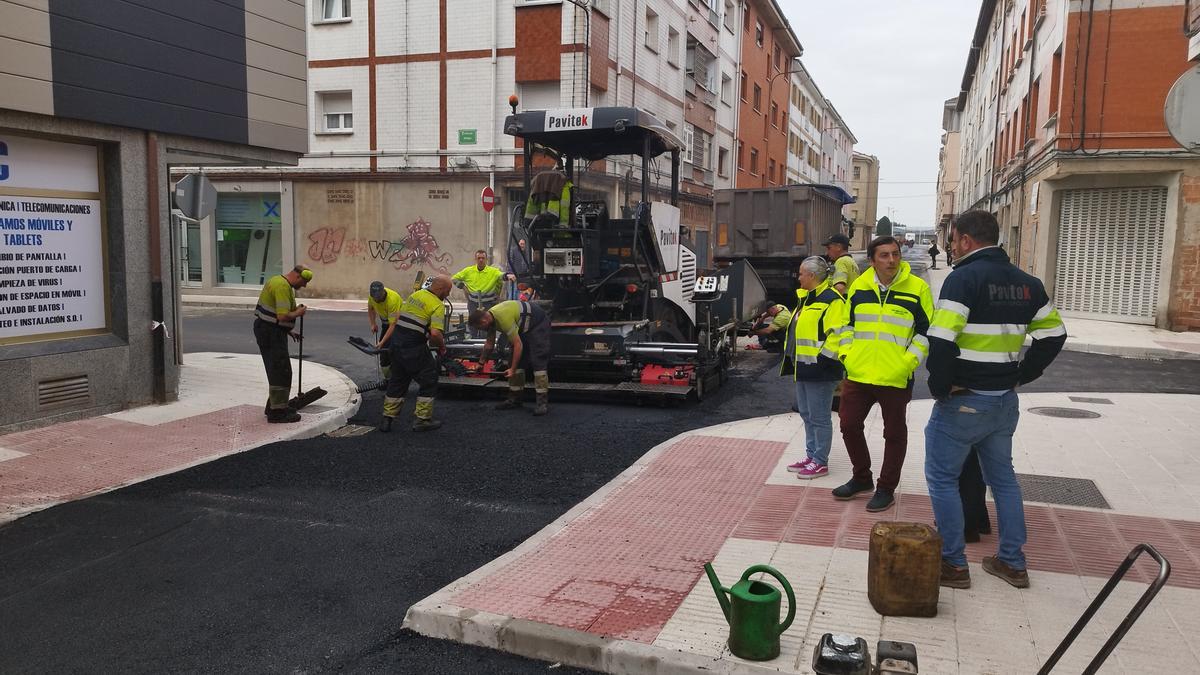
(528, 330)
(418, 327)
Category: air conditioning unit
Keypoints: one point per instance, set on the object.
(462, 161)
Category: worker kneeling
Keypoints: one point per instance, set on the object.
(418, 327)
(528, 329)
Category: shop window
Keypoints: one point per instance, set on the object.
(249, 236)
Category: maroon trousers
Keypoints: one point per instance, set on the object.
(857, 399)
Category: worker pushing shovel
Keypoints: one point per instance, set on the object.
(274, 321)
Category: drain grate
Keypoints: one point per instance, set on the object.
(1069, 413)
(1086, 399)
(1060, 490)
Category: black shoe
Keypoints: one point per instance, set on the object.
(286, 417)
(986, 528)
(385, 424)
(426, 425)
(881, 501)
(852, 489)
(971, 536)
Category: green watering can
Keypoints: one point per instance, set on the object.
(752, 610)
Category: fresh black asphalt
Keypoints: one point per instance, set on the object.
(302, 557)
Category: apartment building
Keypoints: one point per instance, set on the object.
(1063, 137)
(837, 149)
(95, 107)
(805, 117)
(768, 49)
(864, 187)
(948, 169)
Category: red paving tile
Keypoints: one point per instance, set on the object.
(75, 459)
(668, 521)
(622, 569)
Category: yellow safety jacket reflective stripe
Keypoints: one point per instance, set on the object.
(421, 312)
(816, 330)
(483, 285)
(276, 297)
(886, 339)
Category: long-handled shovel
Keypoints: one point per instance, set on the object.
(303, 398)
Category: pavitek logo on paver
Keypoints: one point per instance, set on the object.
(568, 120)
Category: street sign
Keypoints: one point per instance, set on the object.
(195, 196)
(466, 137)
(1180, 110)
(488, 198)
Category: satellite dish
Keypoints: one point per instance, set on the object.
(1180, 112)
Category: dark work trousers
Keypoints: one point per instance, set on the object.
(974, 496)
(536, 342)
(273, 346)
(857, 399)
(411, 361)
(385, 355)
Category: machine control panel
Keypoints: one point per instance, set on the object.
(706, 285)
(563, 261)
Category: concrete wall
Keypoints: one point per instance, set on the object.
(353, 232)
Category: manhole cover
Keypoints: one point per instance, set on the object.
(1060, 490)
(1086, 399)
(1069, 413)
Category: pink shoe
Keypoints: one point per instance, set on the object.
(799, 466)
(813, 470)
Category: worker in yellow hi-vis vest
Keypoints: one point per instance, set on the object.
(274, 318)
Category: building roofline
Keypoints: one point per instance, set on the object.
(779, 22)
(841, 122)
(986, 11)
(865, 157)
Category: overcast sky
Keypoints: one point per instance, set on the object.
(888, 67)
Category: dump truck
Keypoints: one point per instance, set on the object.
(774, 229)
(629, 317)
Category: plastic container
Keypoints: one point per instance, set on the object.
(904, 566)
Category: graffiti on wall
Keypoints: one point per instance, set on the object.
(328, 245)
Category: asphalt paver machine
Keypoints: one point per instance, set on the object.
(629, 316)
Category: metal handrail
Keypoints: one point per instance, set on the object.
(1164, 571)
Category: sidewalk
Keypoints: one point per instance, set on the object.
(219, 412)
(1129, 340)
(617, 584)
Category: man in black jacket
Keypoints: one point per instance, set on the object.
(986, 307)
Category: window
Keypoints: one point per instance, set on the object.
(1055, 79)
(757, 98)
(701, 64)
(855, 193)
(652, 30)
(758, 33)
(701, 149)
(729, 13)
(774, 114)
(249, 238)
(1033, 111)
(334, 10)
(723, 161)
(771, 171)
(746, 19)
(672, 46)
(854, 215)
(857, 175)
(337, 112)
(741, 164)
(726, 89)
(778, 58)
(742, 86)
(754, 161)
(689, 133)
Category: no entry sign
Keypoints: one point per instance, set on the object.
(488, 198)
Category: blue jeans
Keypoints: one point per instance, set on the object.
(988, 423)
(814, 398)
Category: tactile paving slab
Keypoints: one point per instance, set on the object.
(624, 567)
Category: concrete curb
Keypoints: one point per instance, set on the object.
(327, 421)
(438, 617)
(1146, 353)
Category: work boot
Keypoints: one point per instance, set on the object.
(851, 489)
(385, 424)
(511, 402)
(426, 424)
(542, 406)
(285, 416)
(882, 500)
